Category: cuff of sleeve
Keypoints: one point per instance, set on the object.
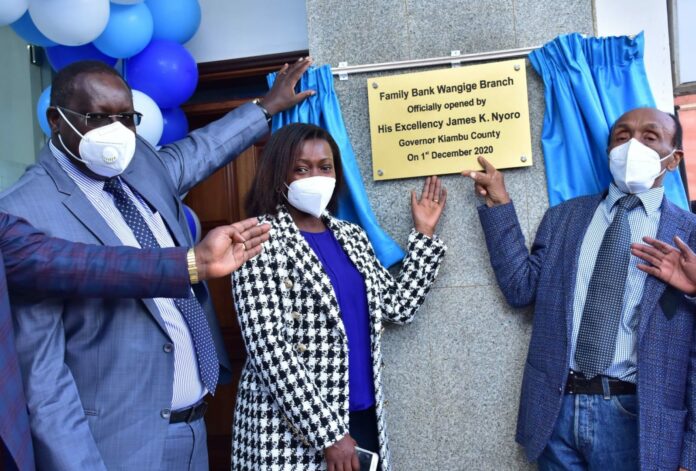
(497, 214)
(433, 242)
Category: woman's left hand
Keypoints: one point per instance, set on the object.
(428, 209)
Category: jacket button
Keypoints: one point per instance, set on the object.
(165, 413)
(168, 348)
(301, 347)
(288, 283)
(296, 315)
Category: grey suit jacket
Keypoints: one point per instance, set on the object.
(96, 372)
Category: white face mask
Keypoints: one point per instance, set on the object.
(106, 151)
(311, 195)
(635, 166)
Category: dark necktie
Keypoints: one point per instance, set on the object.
(190, 308)
(601, 315)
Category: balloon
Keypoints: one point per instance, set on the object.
(12, 10)
(175, 125)
(70, 22)
(128, 31)
(194, 224)
(165, 71)
(150, 128)
(26, 30)
(175, 20)
(41, 107)
(61, 56)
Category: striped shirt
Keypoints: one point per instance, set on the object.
(188, 387)
(643, 221)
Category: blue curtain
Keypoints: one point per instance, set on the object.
(323, 109)
(589, 83)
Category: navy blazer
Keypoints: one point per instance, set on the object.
(98, 373)
(35, 265)
(546, 278)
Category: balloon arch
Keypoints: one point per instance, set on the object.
(145, 35)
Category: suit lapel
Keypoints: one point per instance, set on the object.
(310, 270)
(77, 203)
(580, 219)
(671, 224)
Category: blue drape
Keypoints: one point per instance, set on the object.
(589, 83)
(323, 109)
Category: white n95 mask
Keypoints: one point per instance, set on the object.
(635, 166)
(312, 194)
(106, 151)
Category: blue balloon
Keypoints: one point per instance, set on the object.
(194, 224)
(41, 107)
(175, 20)
(26, 30)
(61, 56)
(175, 125)
(165, 71)
(128, 31)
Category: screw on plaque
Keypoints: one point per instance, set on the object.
(380, 173)
(374, 85)
(517, 66)
(523, 158)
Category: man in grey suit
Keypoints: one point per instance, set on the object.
(119, 384)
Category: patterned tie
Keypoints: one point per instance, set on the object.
(189, 307)
(602, 312)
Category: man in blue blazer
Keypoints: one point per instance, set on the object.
(609, 378)
(119, 384)
(35, 265)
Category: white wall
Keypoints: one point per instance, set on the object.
(245, 28)
(685, 16)
(628, 17)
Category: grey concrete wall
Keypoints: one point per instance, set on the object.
(453, 376)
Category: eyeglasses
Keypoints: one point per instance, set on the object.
(96, 120)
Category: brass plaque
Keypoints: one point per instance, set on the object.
(438, 122)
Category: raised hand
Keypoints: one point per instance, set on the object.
(428, 209)
(676, 267)
(341, 455)
(226, 248)
(489, 183)
(282, 94)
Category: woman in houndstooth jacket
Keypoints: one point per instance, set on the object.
(311, 308)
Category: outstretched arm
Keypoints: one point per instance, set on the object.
(38, 265)
(516, 270)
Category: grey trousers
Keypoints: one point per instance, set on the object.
(186, 447)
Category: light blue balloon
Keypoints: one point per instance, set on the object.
(175, 20)
(26, 30)
(128, 31)
(41, 107)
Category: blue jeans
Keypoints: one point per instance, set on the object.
(594, 432)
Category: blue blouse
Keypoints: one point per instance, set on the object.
(349, 287)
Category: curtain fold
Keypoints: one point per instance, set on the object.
(323, 109)
(588, 84)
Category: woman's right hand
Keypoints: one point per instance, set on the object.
(341, 455)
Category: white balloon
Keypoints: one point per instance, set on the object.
(12, 10)
(152, 125)
(70, 22)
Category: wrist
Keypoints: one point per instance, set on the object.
(425, 230)
(195, 266)
(491, 202)
(264, 108)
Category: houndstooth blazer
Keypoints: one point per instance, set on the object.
(292, 400)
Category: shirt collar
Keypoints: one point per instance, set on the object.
(651, 199)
